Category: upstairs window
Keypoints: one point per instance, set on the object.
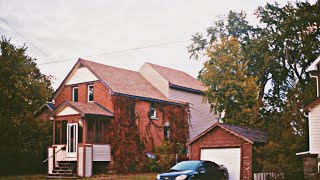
(75, 94)
(153, 112)
(90, 93)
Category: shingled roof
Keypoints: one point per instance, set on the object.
(124, 81)
(85, 108)
(178, 78)
(251, 135)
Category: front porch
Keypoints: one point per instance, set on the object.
(79, 139)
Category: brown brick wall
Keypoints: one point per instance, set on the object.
(219, 138)
(101, 95)
(310, 165)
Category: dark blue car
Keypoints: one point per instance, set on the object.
(195, 170)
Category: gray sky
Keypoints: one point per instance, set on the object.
(64, 29)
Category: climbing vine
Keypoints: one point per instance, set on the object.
(131, 137)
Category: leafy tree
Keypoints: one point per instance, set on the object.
(277, 52)
(23, 90)
(231, 88)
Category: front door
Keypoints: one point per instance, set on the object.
(72, 139)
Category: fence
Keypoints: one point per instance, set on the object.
(268, 176)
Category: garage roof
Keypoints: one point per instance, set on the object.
(251, 135)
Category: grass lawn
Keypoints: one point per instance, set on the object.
(146, 176)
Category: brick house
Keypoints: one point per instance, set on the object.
(311, 158)
(230, 146)
(107, 117)
(44, 111)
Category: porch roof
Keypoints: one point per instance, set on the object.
(84, 109)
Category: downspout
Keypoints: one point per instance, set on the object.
(317, 83)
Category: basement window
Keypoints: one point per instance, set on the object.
(75, 94)
(90, 93)
(153, 112)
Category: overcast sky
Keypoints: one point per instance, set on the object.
(71, 29)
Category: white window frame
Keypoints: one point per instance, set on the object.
(73, 88)
(153, 109)
(91, 85)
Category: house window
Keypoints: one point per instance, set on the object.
(153, 112)
(75, 94)
(166, 130)
(90, 93)
(60, 132)
(95, 131)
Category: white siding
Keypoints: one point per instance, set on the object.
(80, 162)
(155, 78)
(88, 165)
(61, 155)
(102, 152)
(201, 118)
(81, 75)
(314, 130)
(67, 111)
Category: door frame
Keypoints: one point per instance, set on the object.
(72, 143)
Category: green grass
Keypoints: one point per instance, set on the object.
(22, 177)
(145, 176)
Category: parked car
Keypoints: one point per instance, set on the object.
(195, 170)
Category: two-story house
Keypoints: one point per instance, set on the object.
(310, 158)
(108, 117)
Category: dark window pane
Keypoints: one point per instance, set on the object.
(64, 132)
(80, 134)
(57, 132)
(98, 131)
(90, 93)
(75, 94)
(90, 131)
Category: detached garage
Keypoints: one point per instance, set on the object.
(228, 145)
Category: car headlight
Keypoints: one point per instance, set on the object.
(181, 177)
(158, 177)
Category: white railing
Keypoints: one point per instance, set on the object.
(268, 176)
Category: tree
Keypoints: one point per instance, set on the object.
(231, 88)
(277, 53)
(23, 90)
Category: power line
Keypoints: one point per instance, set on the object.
(113, 52)
(26, 39)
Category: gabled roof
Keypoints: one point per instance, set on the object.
(48, 105)
(250, 135)
(178, 79)
(314, 65)
(85, 109)
(311, 105)
(124, 81)
(120, 81)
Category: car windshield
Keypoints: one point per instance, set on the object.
(186, 165)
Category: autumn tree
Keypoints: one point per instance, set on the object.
(231, 88)
(277, 53)
(23, 90)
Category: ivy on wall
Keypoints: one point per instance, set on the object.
(128, 144)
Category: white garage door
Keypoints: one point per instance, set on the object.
(229, 157)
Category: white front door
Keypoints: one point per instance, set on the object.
(72, 139)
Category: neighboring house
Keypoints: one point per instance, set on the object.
(106, 115)
(180, 86)
(311, 158)
(229, 145)
(44, 111)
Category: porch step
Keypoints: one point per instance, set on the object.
(65, 170)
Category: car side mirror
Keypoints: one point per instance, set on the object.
(202, 170)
